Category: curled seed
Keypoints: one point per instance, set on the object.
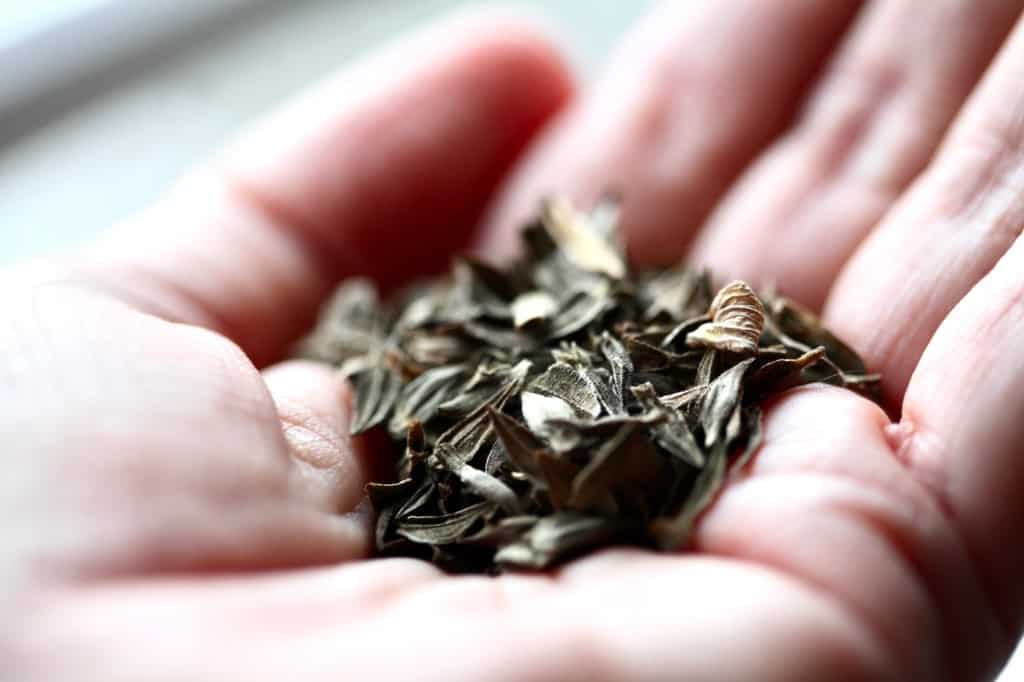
(737, 320)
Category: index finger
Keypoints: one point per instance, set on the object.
(381, 171)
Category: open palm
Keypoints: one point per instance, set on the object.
(176, 506)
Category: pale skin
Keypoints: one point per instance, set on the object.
(177, 503)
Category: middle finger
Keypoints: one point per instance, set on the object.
(868, 129)
(696, 90)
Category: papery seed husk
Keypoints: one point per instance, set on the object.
(565, 402)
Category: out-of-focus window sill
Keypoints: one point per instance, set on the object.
(46, 46)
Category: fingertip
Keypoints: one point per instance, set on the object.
(791, 408)
(382, 171)
(314, 405)
(418, 136)
(523, 45)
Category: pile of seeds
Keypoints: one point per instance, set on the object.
(567, 402)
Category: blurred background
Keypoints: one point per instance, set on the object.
(104, 102)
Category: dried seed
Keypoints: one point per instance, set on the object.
(582, 245)
(737, 320)
(565, 403)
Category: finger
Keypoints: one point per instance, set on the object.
(314, 405)
(167, 454)
(868, 129)
(142, 627)
(841, 567)
(961, 430)
(653, 619)
(381, 171)
(947, 232)
(825, 501)
(692, 95)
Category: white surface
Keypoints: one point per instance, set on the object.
(112, 154)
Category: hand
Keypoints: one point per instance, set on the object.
(173, 502)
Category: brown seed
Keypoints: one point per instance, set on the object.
(546, 410)
(737, 320)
